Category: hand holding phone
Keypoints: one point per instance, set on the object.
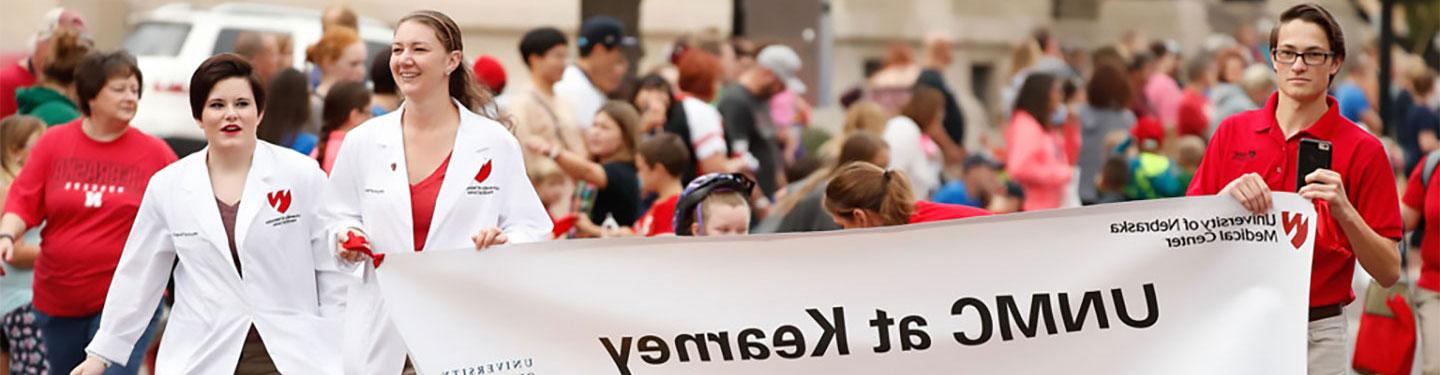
(1313, 155)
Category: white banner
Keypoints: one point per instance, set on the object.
(1178, 286)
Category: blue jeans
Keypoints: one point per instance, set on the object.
(66, 338)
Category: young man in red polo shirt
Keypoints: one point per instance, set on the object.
(1255, 152)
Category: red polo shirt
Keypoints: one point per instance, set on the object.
(1253, 142)
(1426, 200)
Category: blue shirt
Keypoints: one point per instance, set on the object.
(1352, 101)
(304, 143)
(953, 192)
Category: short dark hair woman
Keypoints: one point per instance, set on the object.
(85, 179)
(247, 268)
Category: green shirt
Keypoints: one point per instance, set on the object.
(49, 105)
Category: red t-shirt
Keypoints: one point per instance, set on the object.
(1427, 201)
(660, 219)
(422, 202)
(926, 211)
(12, 76)
(88, 193)
(1253, 142)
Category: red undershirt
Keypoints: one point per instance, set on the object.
(422, 202)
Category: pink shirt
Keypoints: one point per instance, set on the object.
(1164, 95)
(332, 150)
(1037, 159)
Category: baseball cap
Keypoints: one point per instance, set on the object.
(785, 63)
(603, 30)
(1149, 133)
(58, 18)
(980, 159)
(490, 73)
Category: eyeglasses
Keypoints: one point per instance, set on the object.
(1312, 58)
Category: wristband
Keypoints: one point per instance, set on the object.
(8, 236)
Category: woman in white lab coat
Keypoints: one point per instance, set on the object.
(430, 176)
(257, 289)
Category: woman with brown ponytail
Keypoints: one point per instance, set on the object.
(346, 107)
(434, 175)
(863, 195)
(53, 98)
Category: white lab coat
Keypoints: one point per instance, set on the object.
(370, 189)
(291, 290)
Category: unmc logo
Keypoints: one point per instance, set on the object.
(1296, 226)
(279, 200)
(484, 172)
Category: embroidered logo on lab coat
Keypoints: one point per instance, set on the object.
(484, 172)
(479, 188)
(279, 200)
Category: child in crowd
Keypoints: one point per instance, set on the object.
(552, 186)
(1152, 174)
(660, 162)
(1110, 183)
(608, 169)
(715, 204)
(1010, 200)
(1188, 152)
(20, 341)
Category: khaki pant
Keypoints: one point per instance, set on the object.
(254, 359)
(1427, 310)
(1326, 352)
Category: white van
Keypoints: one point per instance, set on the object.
(169, 42)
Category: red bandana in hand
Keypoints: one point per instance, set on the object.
(359, 243)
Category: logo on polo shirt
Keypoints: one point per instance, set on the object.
(279, 200)
(1242, 156)
(1297, 226)
(479, 188)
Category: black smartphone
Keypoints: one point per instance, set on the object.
(1313, 154)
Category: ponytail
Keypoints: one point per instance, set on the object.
(897, 202)
(861, 185)
(67, 48)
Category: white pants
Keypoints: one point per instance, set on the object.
(1427, 309)
(1327, 346)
